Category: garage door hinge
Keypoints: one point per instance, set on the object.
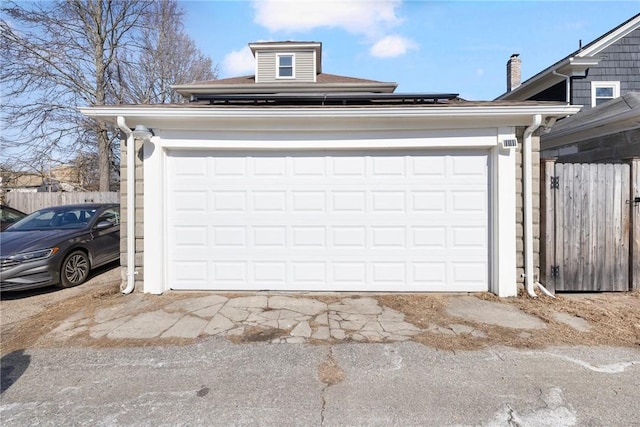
(555, 182)
(555, 271)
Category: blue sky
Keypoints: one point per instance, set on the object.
(423, 45)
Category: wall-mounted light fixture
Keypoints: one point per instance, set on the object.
(142, 132)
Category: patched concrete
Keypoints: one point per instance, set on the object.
(301, 305)
(301, 330)
(218, 324)
(357, 306)
(186, 327)
(257, 301)
(577, 323)
(146, 325)
(198, 303)
(492, 313)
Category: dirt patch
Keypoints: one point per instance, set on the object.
(257, 334)
(614, 319)
(329, 372)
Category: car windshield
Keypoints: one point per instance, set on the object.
(55, 218)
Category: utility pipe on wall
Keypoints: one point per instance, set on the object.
(567, 84)
(527, 185)
(131, 212)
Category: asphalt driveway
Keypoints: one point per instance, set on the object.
(91, 356)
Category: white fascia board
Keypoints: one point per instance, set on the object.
(324, 119)
(291, 87)
(284, 46)
(336, 144)
(578, 66)
(598, 46)
(519, 115)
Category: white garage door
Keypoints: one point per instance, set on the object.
(330, 220)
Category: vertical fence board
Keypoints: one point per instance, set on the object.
(617, 231)
(574, 263)
(547, 226)
(560, 205)
(622, 263)
(608, 224)
(599, 222)
(634, 269)
(590, 226)
(583, 280)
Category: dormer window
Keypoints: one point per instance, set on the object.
(285, 66)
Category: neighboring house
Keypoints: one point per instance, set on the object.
(602, 76)
(595, 73)
(591, 209)
(59, 178)
(298, 180)
(23, 182)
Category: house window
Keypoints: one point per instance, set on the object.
(285, 66)
(602, 92)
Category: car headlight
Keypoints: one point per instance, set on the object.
(34, 255)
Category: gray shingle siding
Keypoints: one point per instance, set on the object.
(621, 63)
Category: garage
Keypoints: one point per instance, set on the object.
(327, 220)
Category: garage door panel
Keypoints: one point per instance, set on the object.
(393, 221)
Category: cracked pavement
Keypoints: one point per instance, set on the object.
(218, 383)
(298, 319)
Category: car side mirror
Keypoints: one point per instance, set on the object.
(104, 224)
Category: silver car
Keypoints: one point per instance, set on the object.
(58, 246)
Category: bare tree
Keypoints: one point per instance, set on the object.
(58, 56)
(167, 56)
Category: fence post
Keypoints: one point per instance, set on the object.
(547, 224)
(634, 229)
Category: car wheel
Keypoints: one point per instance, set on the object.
(75, 269)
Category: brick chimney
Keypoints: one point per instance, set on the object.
(514, 77)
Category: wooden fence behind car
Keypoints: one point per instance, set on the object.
(590, 226)
(29, 202)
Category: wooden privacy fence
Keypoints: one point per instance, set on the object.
(29, 202)
(590, 226)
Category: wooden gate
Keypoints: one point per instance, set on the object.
(590, 226)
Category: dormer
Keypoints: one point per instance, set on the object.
(281, 62)
(288, 67)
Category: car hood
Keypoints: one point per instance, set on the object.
(24, 241)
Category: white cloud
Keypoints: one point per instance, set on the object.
(239, 62)
(392, 46)
(364, 17)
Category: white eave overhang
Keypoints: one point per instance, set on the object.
(572, 67)
(271, 88)
(323, 117)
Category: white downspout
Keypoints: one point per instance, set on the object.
(131, 212)
(527, 185)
